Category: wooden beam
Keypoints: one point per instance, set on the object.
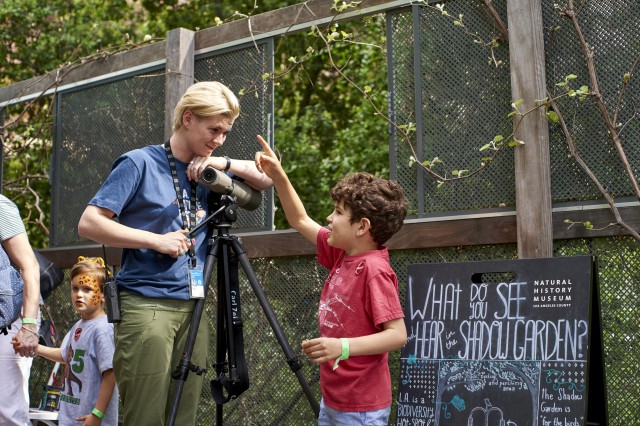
(532, 163)
(66, 257)
(180, 69)
(291, 19)
(96, 69)
(602, 219)
(413, 235)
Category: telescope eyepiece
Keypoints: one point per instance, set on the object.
(209, 175)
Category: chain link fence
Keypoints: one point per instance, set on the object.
(443, 83)
(609, 28)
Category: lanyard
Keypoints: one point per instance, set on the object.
(192, 198)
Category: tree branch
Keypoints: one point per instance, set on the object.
(502, 27)
(576, 156)
(570, 14)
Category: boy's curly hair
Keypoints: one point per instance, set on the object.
(379, 200)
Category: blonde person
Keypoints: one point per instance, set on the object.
(360, 317)
(154, 193)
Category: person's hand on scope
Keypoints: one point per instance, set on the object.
(198, 164)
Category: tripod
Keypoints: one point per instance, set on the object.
(228, 250)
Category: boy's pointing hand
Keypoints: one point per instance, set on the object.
(267, 161)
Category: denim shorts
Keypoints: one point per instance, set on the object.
(330, 417)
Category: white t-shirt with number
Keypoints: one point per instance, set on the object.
(88, 352)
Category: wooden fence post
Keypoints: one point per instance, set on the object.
(180, 68)
(533, 176)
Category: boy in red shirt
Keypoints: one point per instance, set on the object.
(360, 317)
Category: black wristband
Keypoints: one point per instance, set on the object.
(226, 168)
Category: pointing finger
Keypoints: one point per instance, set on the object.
(265, 146)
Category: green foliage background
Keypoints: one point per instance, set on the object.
(323, 127)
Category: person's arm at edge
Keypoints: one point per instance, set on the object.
(294, 210)
(21, 254)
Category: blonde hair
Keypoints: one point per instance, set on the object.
(206, 99)
(92, 266)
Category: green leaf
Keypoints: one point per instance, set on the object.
(552, 116)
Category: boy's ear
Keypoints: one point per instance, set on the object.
(364, 226)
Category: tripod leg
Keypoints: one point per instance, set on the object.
(182, 370)
(221, 340)
(224, 336)
(292, 359)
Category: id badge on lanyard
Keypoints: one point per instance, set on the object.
(196, 282)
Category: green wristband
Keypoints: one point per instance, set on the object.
(345, 348)
(29, 321)
(99, 414)
(345, 351)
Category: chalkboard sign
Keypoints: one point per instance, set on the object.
(504, 343)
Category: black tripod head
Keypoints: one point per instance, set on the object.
(225, 212)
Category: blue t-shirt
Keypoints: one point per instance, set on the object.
(140, 192)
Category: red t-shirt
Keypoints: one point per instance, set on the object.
(359, 295)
